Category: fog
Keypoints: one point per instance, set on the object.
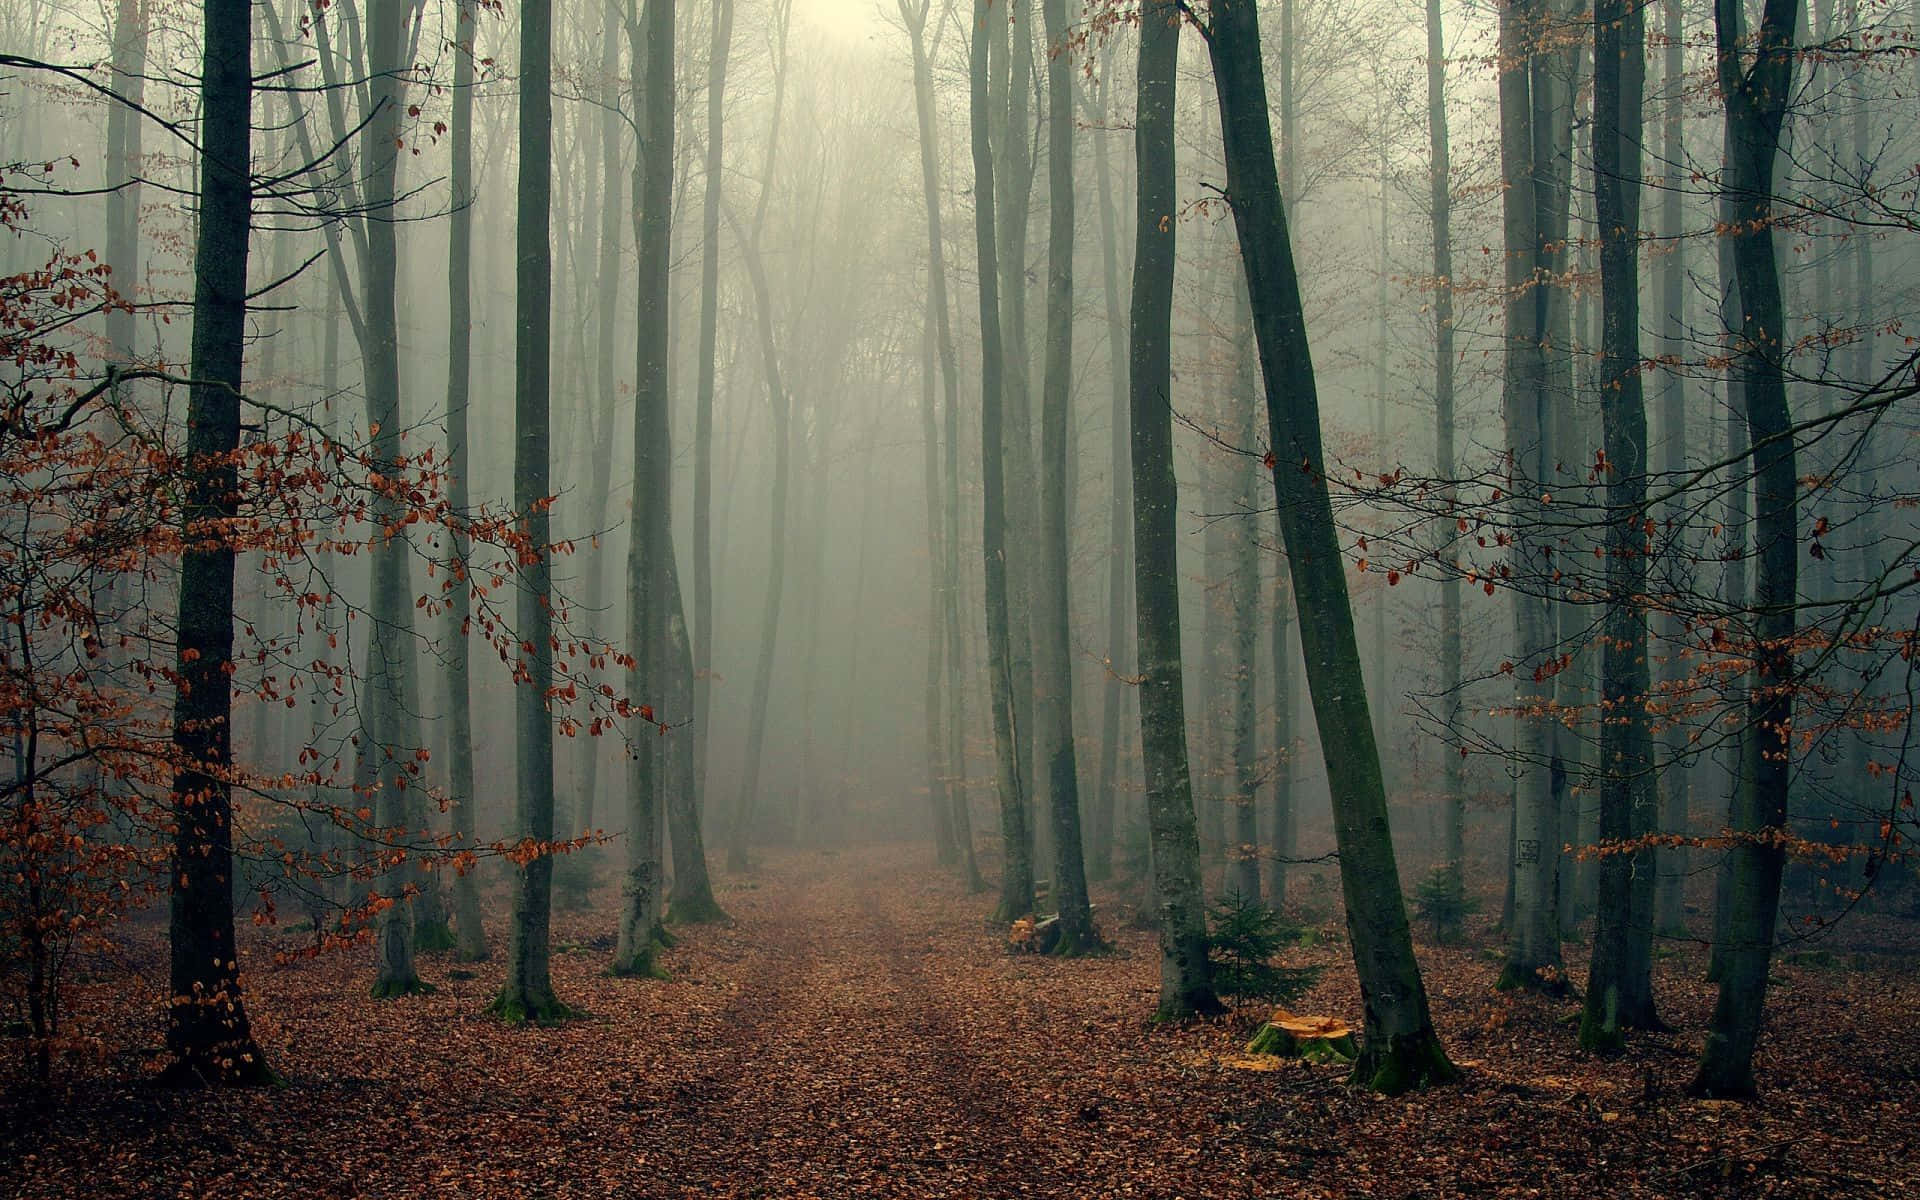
(1418, 591)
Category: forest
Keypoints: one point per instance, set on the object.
(1159, 598)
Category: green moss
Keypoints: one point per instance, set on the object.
(393, 989)
(513, 1008)
(701, 909)
(433, 937)
(1403, 1064)
(1548, 981)
(1600, 1029)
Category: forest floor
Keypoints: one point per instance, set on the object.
(859, 1031)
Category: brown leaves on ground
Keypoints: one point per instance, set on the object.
(861, 1032)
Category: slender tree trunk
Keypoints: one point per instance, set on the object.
(945, 774)
(1669, 905)
(1052, 626)
(606, 382)
(1756, 99)
(471, 934)
(387, 730)
(740, 833)
(208, 1035)
(1619, 994)
(1013, 179)
(1243, 600)
(527, 993)
(1107, 801)
(1529, 103)
(719, 48)
(1281, 616)
(1400, 1049)
(124, 165)
(1186, 985)
(1016, 872)
(650, 548)
(1452, 700)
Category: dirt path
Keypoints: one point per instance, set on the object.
(859, 1032)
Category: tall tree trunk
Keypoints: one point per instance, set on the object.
(1619, 992)
(946, 786)
(208, 1035)
(1052, 626)
(1243, 600)
(1669, 904)
(1400, 1049)
(1280, 637)
(606, 383)
(1531, 99)
(1114, 690)
(1016, 871)
(1013, 178)
(472, 938)
(650, 547)
(124, 127)
(527, 992)
(388, 734)
(1186, 985)
(1452, 701)
(740, 833)
(719, 48)
(1756, 99)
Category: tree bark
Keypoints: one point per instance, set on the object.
(1756, 99)
(1186, 985)
(471, 944)
(388, 734)
(1101, 817)
(650, 547)
(124, 127)
(1016, 872)
(1531, 100)
(527, 992)
(1452, 700)
(208, 1036)
(1619, 990)
(1052, 626)
(719, 48)
(1399, 1050)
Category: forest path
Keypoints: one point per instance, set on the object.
(841, 1060)
(860, 1031)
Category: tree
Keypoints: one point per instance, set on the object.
(1619, 989)
(472, 937)
(208, 1034)
(1756, 80)
(1052, 629)
(1440, 184)
(1399, 1049)
(782, 405)
(686, 905)
(650, 546)
(387, 731)
(1016, 872)
(527, 994)
(947, 773)
(1535, 141)
(1185, 984)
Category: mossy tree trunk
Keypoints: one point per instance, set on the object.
(1016, 872)
(1186, 986)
